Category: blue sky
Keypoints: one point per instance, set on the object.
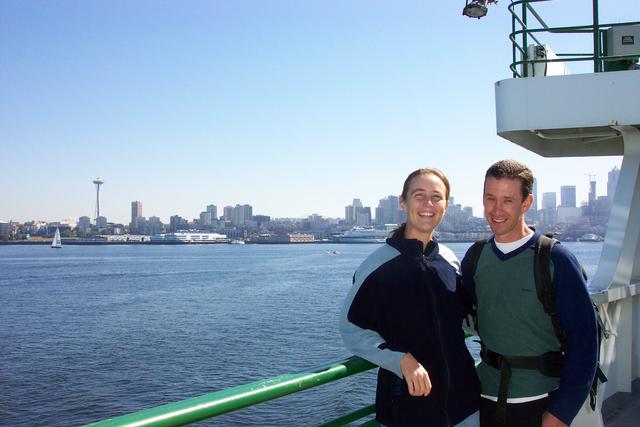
(295, 107)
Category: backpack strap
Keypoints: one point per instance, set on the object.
(544, 285)
(474, 253)
(547, 295)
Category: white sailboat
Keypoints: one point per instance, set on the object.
(57, 242)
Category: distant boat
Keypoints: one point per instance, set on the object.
(364, 235)
(590, 237)
(57, 242)
(237, 242)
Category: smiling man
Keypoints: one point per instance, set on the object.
(528, 377)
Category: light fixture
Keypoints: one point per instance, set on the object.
(476, 8)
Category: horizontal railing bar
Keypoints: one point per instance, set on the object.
(577, 59)
(571, 29)
(354, 416)
(224, 401)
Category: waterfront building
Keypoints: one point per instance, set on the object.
(315, 223)
(205, 220)
(300, 238)
(84, 224)
(568, 215)
(261, 220)
(190, 237)
(154, 226)
(101, 222)
(176, 223)
(283, 238)
(227, 213)
(5, 229)
(568, 196)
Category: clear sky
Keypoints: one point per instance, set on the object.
(295, 107)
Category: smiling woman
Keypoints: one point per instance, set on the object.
(404, 313)
(425, 203)
(411, 189)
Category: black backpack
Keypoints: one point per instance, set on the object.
(549, 364)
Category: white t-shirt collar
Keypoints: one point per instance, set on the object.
(505, 248)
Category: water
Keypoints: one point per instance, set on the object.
(91, 332)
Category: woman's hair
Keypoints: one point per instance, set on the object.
(399, 232)
(512, 169)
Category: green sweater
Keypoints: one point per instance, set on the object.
(512, 321)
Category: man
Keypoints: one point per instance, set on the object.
(511, 320)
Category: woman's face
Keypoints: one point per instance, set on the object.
(425, 205)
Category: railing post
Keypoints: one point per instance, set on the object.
(513, 43)
(597, 63)
(525, 54)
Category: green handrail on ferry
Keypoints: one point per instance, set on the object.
(224, 401)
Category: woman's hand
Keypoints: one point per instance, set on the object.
(418, 381)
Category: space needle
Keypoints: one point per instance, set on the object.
(98, 182)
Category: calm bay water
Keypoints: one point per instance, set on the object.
(91, 332)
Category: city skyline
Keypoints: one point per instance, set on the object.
(136, 206)
(294, 107)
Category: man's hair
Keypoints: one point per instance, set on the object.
(512, 169)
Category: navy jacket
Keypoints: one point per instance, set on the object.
(404, 300)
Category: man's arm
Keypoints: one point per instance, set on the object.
(577, 317)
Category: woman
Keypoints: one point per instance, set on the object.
(404, 313)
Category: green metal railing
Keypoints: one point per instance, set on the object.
(224, 401)
(521, 29)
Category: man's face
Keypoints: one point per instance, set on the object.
(504, 208)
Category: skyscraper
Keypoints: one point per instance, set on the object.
(242, 214)
(213, 210)
(612, 182)
(592, 192)
(531, 217)
(205, 220)
(387, 210)
(351, 211)
(363, 216)
(137, 222)
(549, 208)
(549, 200)
(568, 196)
(136, 210)
(227, 213)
